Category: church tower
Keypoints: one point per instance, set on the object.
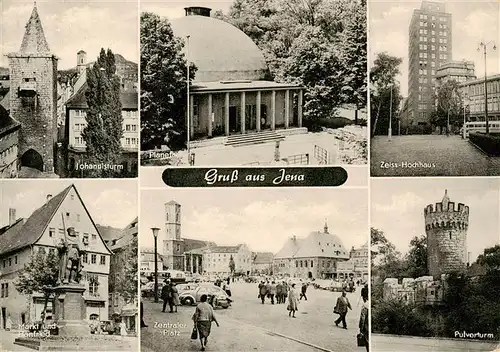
(446, 227)
(172, 244)
(33, 97)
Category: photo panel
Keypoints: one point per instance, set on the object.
(429, 65)
(270, 83)
(269, 267)
(435, 249)
(69, 89)
(68, 265)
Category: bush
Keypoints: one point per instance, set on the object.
(490, 144)
(398, 318)
(316, 125)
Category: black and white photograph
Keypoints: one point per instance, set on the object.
(429, 65)
(435, 254)
(230, 83)
(69, 89)
(68, 265)
(267, 270)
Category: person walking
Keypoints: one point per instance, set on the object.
(303, 291)
(166, 296)
(285, 291)
(174, 292)
(143, 324)
(227, 289)
(263, 291)
(203, 317)
(293, 301)
(363, 320)
(272, 291)
(342, 307)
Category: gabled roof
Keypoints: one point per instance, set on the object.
(78, 100)
(126, 237)
(17, 237)
(317, 244)
(109, 233)
(7, 123)
(263, 258)
(191, 244)
(34, 40)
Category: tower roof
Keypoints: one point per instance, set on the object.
(34, 39)
(446, 199)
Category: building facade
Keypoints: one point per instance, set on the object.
(430, 46)
(357, 265)
(43, 231)
(230, 93)
(315, 256)
(33, 98)
(9, 139)
(446, 225)
(217, 259)
(473, 91)
(459, 71)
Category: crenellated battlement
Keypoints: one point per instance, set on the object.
(449, 207)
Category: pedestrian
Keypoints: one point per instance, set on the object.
(203, 317)
(174, 296)
(268, 289)
(272, 291)
(285, 291)
(123, 328)
(303, 291)
(279, 292)
(228, 280)
(166, 296)
(263, 291)
(293, 301)
(227, 289)
(143, 324)
(363, 320)
(341, 308)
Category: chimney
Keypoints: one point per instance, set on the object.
(49, 197)
(12, 216)
(198, 11)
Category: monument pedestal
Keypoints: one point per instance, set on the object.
(70, 310)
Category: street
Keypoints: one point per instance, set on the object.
(429, 155)
(390, 343)
(249, 325)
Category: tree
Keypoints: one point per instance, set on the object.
(126, 276)
(416, 259)
(383, 87)
(232, 266)
(490, 258)
(449, 105)
(40, 275)
(163, 85)
(104, 128)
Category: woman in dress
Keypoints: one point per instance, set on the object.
(203, 318)
(175, 296)
(293, 301)
(123, 328)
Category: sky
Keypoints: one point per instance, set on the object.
(70, 26)
(175, 9)
(397, 208)
(262, 218)
(472, 22)
(109, 202)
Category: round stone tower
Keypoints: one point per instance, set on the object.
(446, 228)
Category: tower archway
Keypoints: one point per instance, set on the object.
(31, 158)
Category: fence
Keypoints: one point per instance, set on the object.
(298, 159)
(321, 155)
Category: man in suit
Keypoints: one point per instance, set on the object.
(342, 307)
(166, 296)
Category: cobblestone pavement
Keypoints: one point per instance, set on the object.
(429, 155)
(390, 343)
(249, 325)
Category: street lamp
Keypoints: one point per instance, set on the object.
(484, 46)
(188, 104)
(155, 234)
(466, 98)
(389, 133)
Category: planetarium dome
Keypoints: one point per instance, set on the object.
(220, 51)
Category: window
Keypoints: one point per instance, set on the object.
(305, 263)
(301, 263)
(85, 238)
(311, 263)
(52, 232)
(93, 258)
(93, 280)
(103, 260)
(15, 259)
(10, 261)
(94, 237)
(6, 289)
(296, 264)
(72, 197)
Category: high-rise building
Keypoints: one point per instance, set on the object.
(430, 45)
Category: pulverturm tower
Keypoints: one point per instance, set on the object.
(33, 97)
(446, 227)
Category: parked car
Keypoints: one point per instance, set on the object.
(186, 287)
(190, 297)
(147, 290)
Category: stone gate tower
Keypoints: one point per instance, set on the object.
(172, 243)
(33, 97)
(446, 228)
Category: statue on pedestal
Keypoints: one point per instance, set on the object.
(70, 254)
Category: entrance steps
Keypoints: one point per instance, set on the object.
(239, 140)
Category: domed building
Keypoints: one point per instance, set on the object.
(315, 256)
(229, 93)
